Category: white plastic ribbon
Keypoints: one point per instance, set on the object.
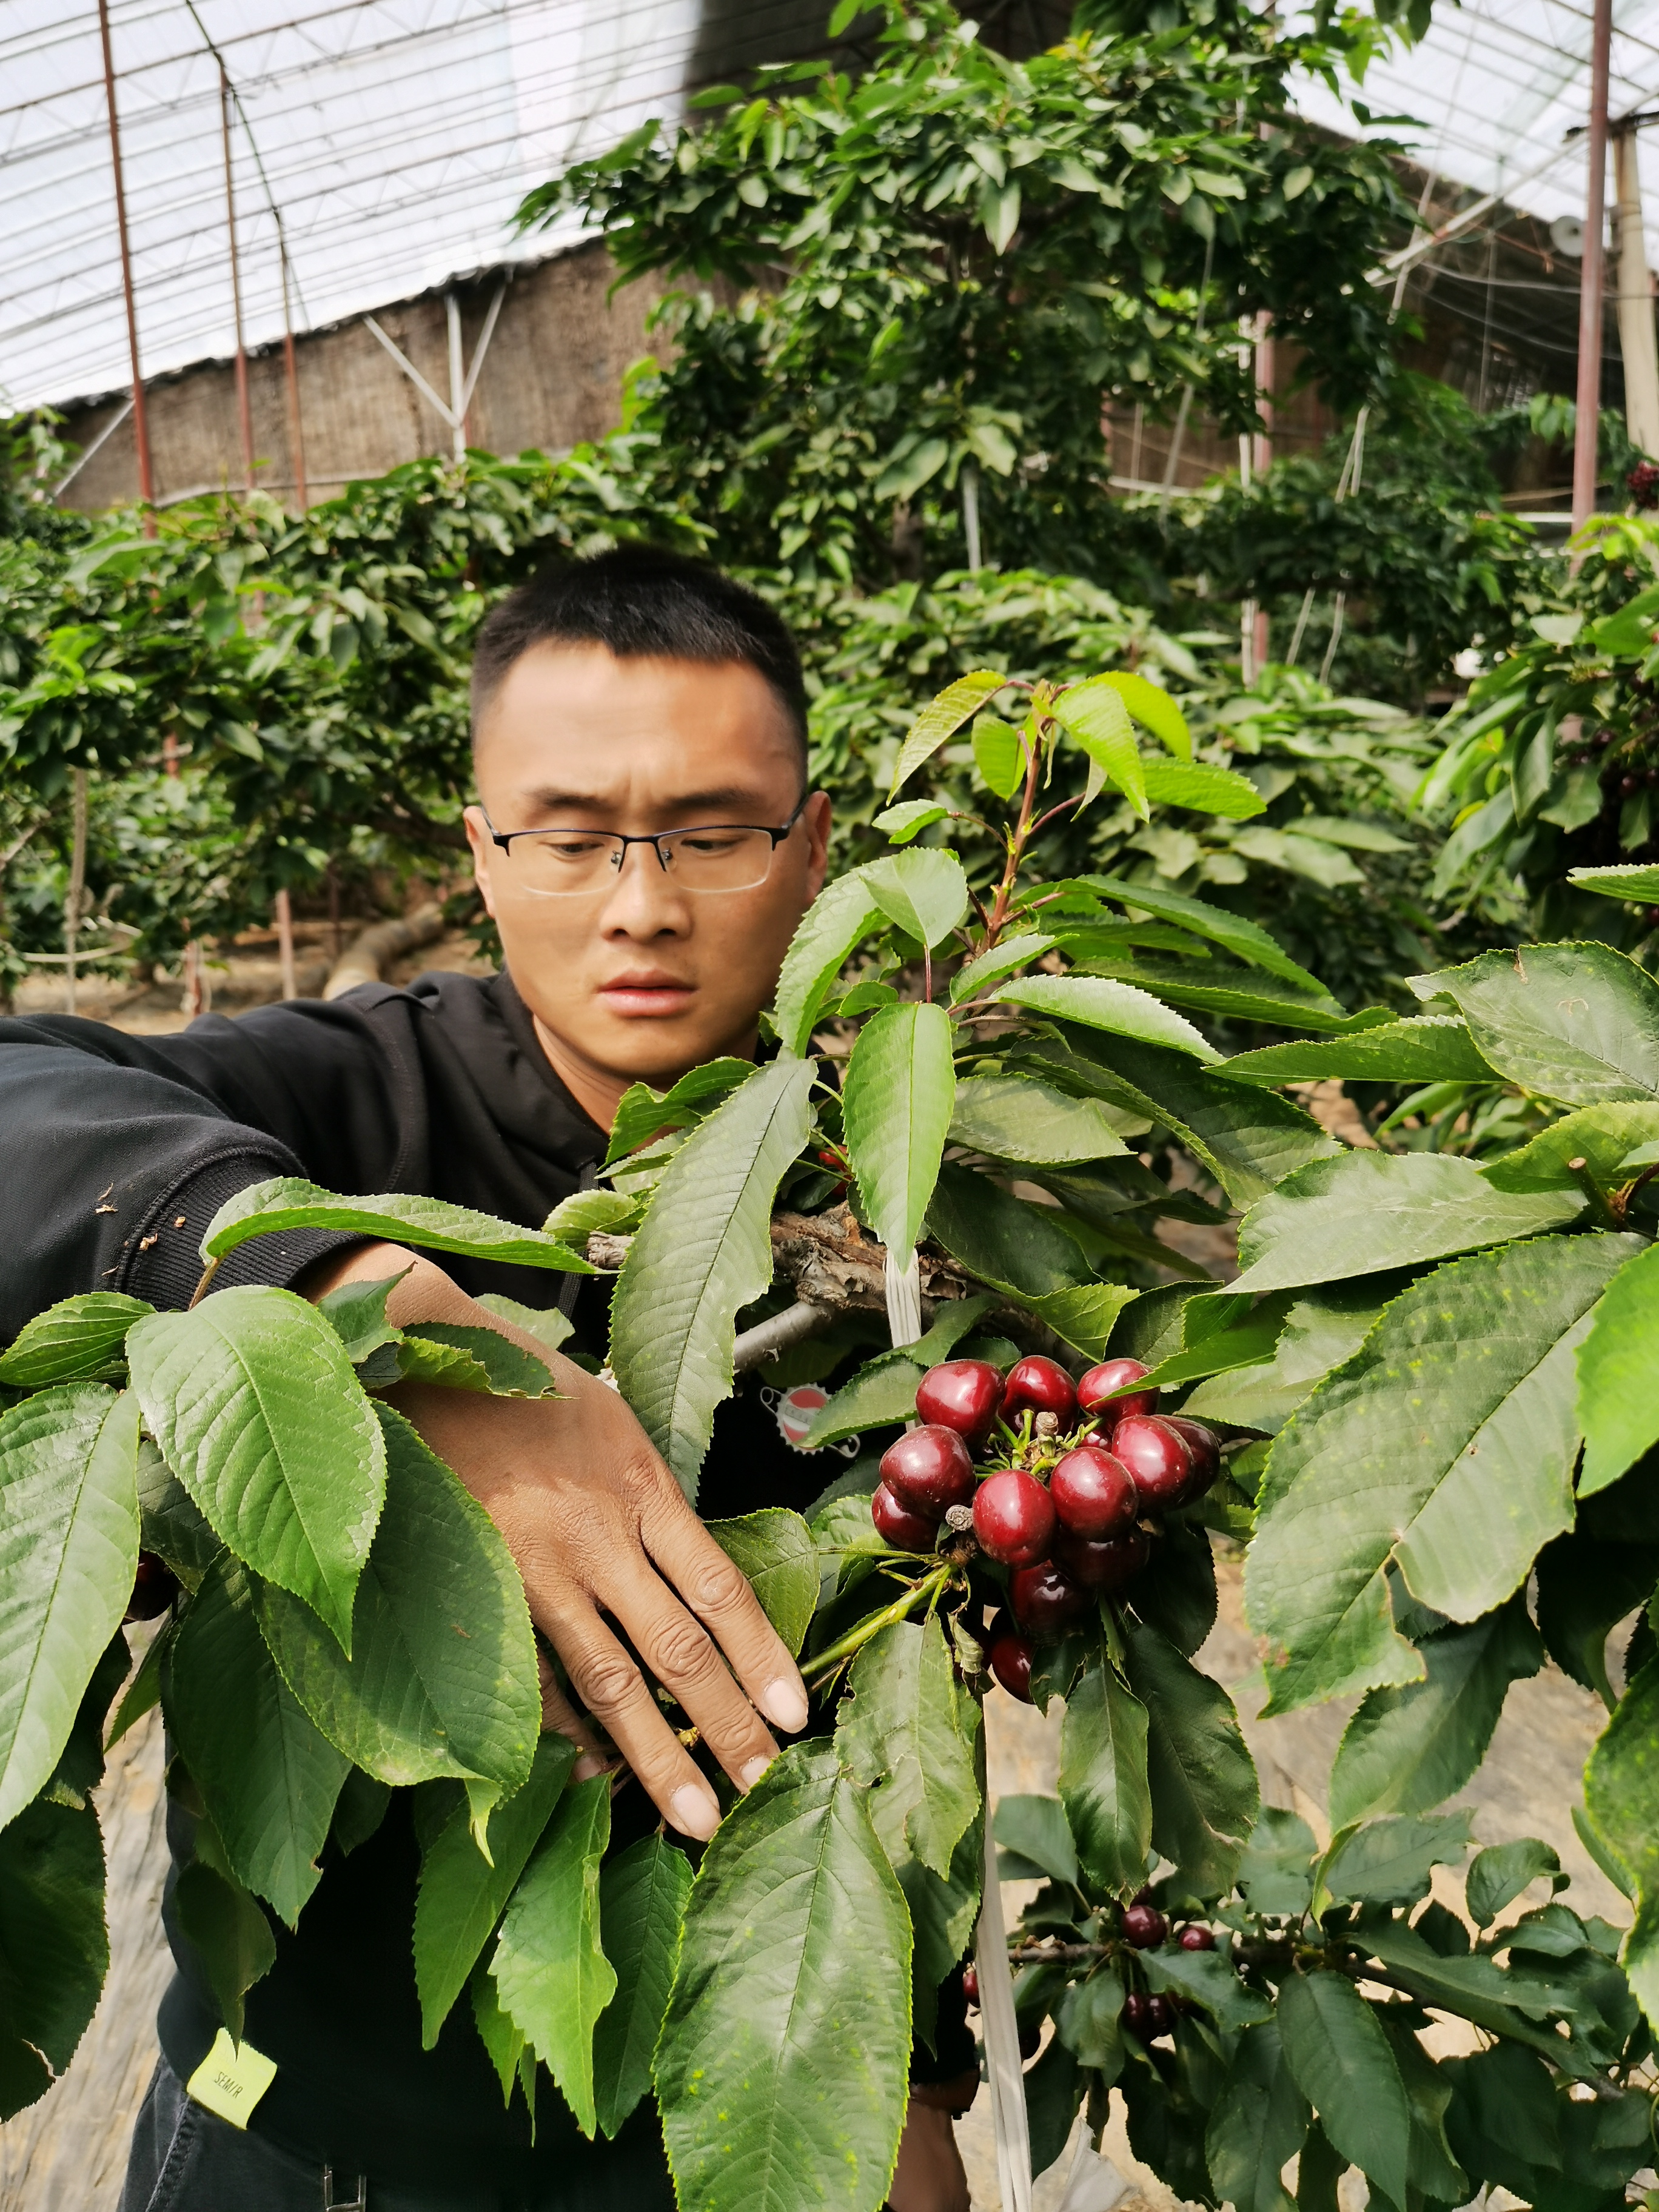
(903, 1287)
(996, 2012)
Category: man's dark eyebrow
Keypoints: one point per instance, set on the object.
(716, 805)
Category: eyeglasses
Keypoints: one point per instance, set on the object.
(721, 856)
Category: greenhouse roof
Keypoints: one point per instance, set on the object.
(396, 138)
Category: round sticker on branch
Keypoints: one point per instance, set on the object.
(795, 1410)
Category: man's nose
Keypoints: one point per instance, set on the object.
(644, 900)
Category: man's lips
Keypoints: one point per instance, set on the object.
(638, 996)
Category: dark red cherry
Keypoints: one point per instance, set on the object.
(1037, 1385)
(1094, 1493)
(1138, 2014)
(154, 1588)
(904, 1530)
(1094, 1392)
(928, 1471)
(1101, 1567)
(1144, 1926)
(1043, 1600)
(1196, 1939)
(1157, 1457)
(1205, 1446)
(1160, 2015)
(962, 1394)
(1010, 1662)
(1014, 1518)
(971, 1988)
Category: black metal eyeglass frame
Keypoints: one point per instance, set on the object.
(652, 837)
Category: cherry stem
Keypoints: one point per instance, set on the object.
(927, 1591)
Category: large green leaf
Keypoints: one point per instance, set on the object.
(1410, 1748)
(843, 911)
(258, 1412)
(1204, 788)
(941, 717)
(1369, 1210)
(775, 1549)
(1243, 995)
(54, 1949)
(1094, 714)
(503, 2040)
(1038, 1832)
(1497, 1875)
(1339, 2059)
(1617, 882)
(1462, 1493)
(1276, 1872)
(942, 1912)
(229, 1933)
(402, 1218)
(69, 1548)
(1601, 1138)
(908, 1735)
(474, 1360)
(642, 1898)
(1209, 1978)
(1249, 1138)
(704, 1250)
(267, 1775)
(462, 1895)
(430, 1689)
(880, 1395)
(1015, 1117)
(1618, 1403)
(643, 1114)
(170, 1524)
(1087, 2023)
(1100, 1004)
(1245, 940)
(1205, 1793)
(1621, 1794)
(1579, 1023)
(1259, 2123)
(1390, 1861)
(924, 893)
(1103, 1779)
(896, 1107)
(1084, 1317)
(782, 2070)
(1424, 1048)
(1054, 2089)
(976, 976)
(1019, 1248)
(1320, 1331)
(78, 1341)
(1431, 2169)
(1154, 709)
(550, 1971)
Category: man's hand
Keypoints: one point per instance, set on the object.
(929, 2176)
(597, 1526)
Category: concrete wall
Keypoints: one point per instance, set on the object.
(552, 378)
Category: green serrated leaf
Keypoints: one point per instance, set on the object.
(257, 1411)
(169, 1522)
(642, 1900)
(1579, 1023)
(943, 716)
(1618, 1405)
(775, 1549)
(642, 1113)
(896, 1104)
(942, 1912)
(845, 911)
(1154, 709)
(1259, 2124)
(79, 1339)
(1085, 1316)
(1013, 952)
(549, 1327)
(1339, 2059)
(430, 1689)
(462, 1895)
(268, 1775)
(780, 2073)
(1245, 939)
(1641, 883)
(1369, 1211)
(229, 1934)
(1102, 1780)
(1621, 1796)
(1087, 2023)
(904, 1735)
(1176, 1591)
(550, 1974)
(1003, 1240)
(703, 1251)
(1461, 1495)
(506, 2043)
(54, 1949)
(483, 1360)
(1423, 1048)
(1210, 1980)
(1276, 1872)
(69, 1550)
(357, 1311)
(1205, 1793)
(1389, 1862)
(882, 1393)
(1203, 788)
(1037, 1829)
(1000, 756)
(1243, 995)
(1100, 1004)
(1407, 1749)
(1015, 1117)
(1601, 1137)
(1094, 716)
(1497, 1875)
(900, 823)
(923, 893)
(289, 1202)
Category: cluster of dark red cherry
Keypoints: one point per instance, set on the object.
(1147, 2013)
(1074, 1469)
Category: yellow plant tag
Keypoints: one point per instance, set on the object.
(231, 2079)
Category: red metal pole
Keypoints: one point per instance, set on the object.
(1590, 276)
(140, 423)
(243, 408)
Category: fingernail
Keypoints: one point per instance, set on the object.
(752, 1773)
(784, 1704)
(694, 1811)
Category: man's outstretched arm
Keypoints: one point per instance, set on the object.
(598, 1526)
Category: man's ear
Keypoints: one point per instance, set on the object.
(816, 821)
(483, 851)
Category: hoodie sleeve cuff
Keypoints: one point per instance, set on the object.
(162, 1263)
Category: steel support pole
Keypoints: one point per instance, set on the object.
(1592, 272)
(1636, 338)
(140, 421)
(244, 410)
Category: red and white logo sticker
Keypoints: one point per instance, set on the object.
(795, 1410)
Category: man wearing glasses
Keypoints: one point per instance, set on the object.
(647, 843)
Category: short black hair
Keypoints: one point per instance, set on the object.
(641, 601)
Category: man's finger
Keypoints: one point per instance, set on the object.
(683, 1657)
(721, 1595)
(612, 1689)
(560, 1717)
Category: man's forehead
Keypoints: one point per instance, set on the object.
(567, 704)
